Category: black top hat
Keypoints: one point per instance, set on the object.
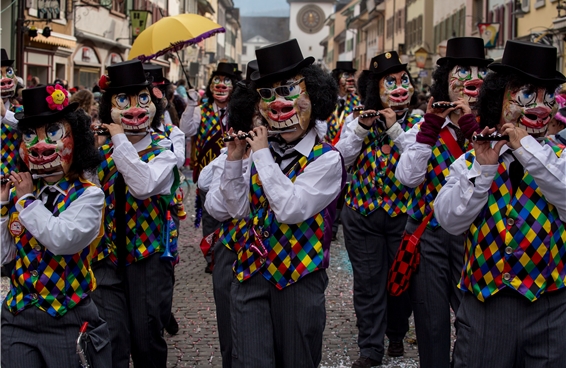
(156, 73)
(228, 69)
(465, 50)
(532, 60)
(279, 59)
(37, 110)
(5, 60)
(126, 74)
(345, 66)
(388, 62)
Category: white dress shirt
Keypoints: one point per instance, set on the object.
(144, 179)
(460, 200)
(412, 166)
(291, 202)
(9, 118)
(190, 120)
(177, 137)
(66, 234)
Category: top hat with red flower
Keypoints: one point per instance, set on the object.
(44, 104)
(127, 74)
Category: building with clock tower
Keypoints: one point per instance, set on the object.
(306, 24)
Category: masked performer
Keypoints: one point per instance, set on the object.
(288, 193)
(431, 146)
(507, 197)
(374, 217)
(134, 257)
(48, 222)
(10, 135)
(344, 75)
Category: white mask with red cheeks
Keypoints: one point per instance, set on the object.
(396, 90)
(347, 83)
(8, 82)
(134, 111)
(529, 107)
(48, 148)
(286, 104)
(465, 82)
(221, 87)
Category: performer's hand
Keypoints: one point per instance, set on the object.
(515, 134)
(236, 148)
(485, 154)
(22, 182)
(462, 105)
(368, 122)
(390, 117)
(4, 190)
(2, 109)
(98, 139)
(259, 138)
(113, 128)
(358, 112)
(443, 113)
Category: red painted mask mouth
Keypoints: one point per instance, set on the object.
(472, 88)
(281, 111)
(135, 118)
(43, 156)
(399, 96)
(536, 119)
(7, 87)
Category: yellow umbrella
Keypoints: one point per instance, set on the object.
(171, 34)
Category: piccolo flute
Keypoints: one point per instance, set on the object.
(105, 132)
(369, 115)
(270, 133)
(491, 137)
(34, 176)
(442, 105)
(358, 108)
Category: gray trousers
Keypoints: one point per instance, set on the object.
(209, 223)
(33, 338)
(149, 295)
(222, 277)
(110, 298)
(372, 242)
(509, 331)
(433, 291)
(278, 328)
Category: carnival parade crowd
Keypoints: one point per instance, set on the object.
(449, 199)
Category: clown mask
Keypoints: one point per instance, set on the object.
(396, 90)
(286, 104)
(529, 107)
(465, 82)
(8, 82)
(347, 83)
(48, 148)
(221, 87)
(134, 111)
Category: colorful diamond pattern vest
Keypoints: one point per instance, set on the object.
(294, 250)
(234, 233)
(209, 137)
(373, 183)
(516, 241)
(336, 120)
(52, 283)
(10, 144)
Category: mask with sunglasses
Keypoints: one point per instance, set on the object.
(286, 104)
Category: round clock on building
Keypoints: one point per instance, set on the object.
(310, 18)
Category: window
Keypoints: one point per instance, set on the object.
(244, 49)
(420, 29)
(119, 6)
(331, 32)
(390, 23)
(350, 44)
(54, 9)
(341, 47)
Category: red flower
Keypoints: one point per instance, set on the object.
(57, 99)
(104, 82)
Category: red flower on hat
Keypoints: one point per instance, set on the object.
(104, 82)
(57, 99)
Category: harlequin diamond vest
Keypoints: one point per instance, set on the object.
(336, 120)
(10, 144)
(52, 283)
(436, 173)
(373, 183)
(144, 218)
(234, 233)
(209, 137)
(516, 241)
(294, 250)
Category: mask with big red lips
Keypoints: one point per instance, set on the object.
(134, 111)
(529, 107)
(396, 90)
(48, 148)
(284, 112)
(347, 83)
(465, 82)
(8, 82)
(221, 87)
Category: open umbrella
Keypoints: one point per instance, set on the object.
(172, 34)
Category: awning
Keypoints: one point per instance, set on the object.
(81, 35)
(54, 40)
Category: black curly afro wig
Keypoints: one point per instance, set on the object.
(242, 108)
(106, 105)
(321, 89)
(85, 155)
(492, 93)
(373, 97)
(362, 84)
(208, 92)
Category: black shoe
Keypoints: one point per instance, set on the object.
(365, 362)
(396, 349)
(207, 269)
(172, 327)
